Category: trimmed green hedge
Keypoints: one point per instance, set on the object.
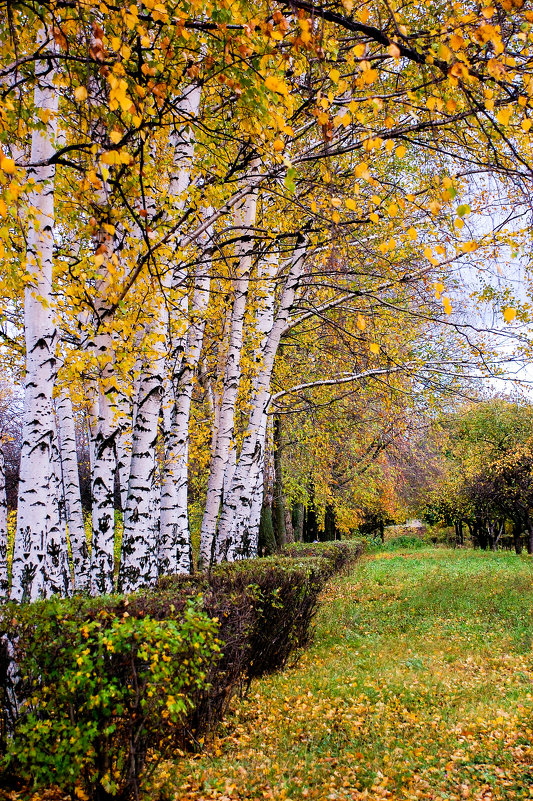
(95, 691)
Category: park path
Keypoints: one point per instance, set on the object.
(419, 686)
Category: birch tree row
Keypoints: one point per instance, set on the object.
(196, 203)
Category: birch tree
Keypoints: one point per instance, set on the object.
(71, 490)
(39, 535)
(4, 583)
(236, 538)
(175, 549)
(245, 216)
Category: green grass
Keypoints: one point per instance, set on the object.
(419, 685)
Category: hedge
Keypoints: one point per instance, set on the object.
(95, 691)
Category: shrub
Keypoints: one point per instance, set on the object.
(339, 554)
(96, 691)
(106, 686)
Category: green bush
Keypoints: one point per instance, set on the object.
(339, 554)
(104, 687)
(95, 693)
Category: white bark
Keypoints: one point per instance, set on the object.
(57, 566)
(140, 548)
(71, 488)
(245, 216)
(4, 585)
(37, 525)
(103, 491)
(123, 445)
(236, 539)
(175, 546)
(139, 551)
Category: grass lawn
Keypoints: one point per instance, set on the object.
(419, 685)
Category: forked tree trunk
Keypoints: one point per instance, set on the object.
(237, 538)
(37, 524)
(245, 216)
(139, 564)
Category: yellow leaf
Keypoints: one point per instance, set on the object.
(115, 137)
(503, 116)
(509, 315)
(110, 157)
(361, 322)
(80, 93)
(364, 15)
(456, 41)
(374, 217)
(335, 75)
(447, 305)
(3, 208)
(400, 151)
(7, 164)
(369, 76)
(393, 210)
(394, 51)
(412, 233)
(350, 204)
(336, 217)
(526, 125)
(374, 347)
(278, 145)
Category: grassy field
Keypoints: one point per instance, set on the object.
(419, 686)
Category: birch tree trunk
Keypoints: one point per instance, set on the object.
(266, 291)
(36, 524)
(139, 551)
(4, 584)
(58, 573)
(103, 490)
(237, 538)
(176, 551)
(71, 488)
(245, 216)
(140, 547)
(123, 445)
